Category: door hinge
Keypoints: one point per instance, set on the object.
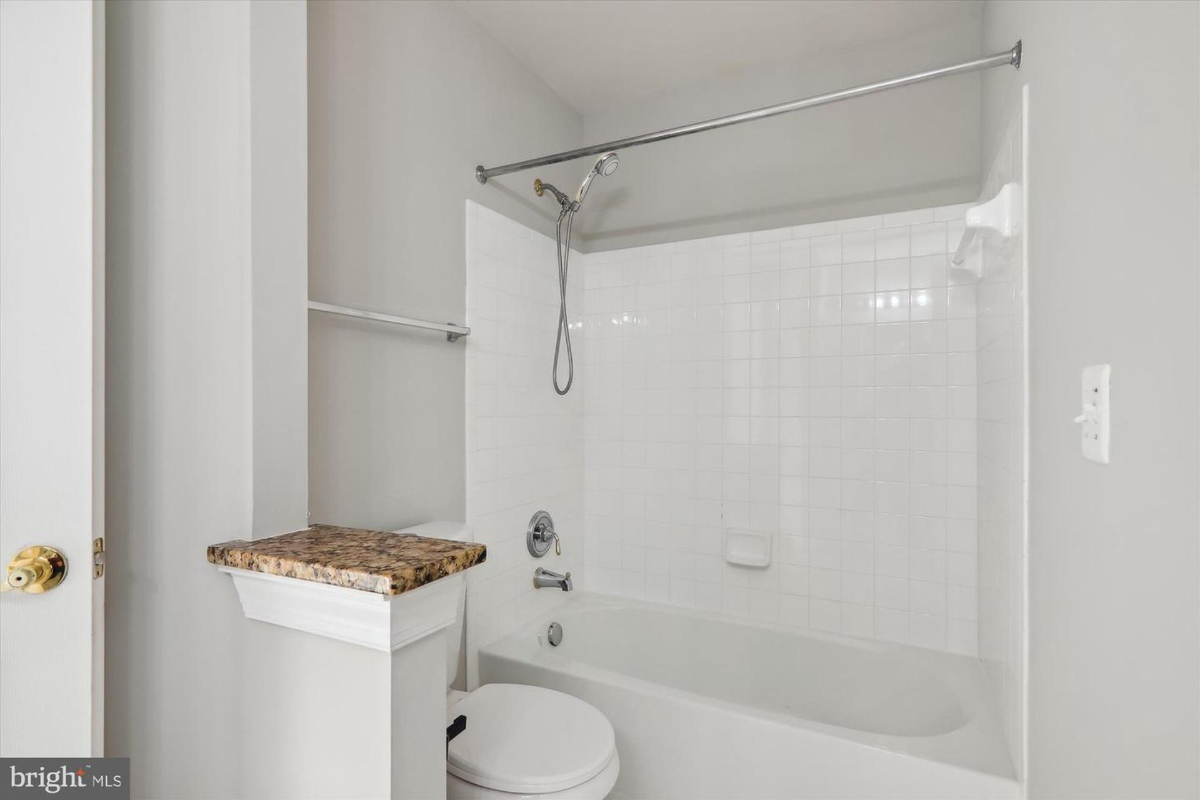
(98, 557)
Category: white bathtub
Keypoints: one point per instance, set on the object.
(707, 707)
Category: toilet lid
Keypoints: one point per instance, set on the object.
(528, 739)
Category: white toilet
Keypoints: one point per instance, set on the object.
(520, 741)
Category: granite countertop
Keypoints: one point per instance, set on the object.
(372, 561)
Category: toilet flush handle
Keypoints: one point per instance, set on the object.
(455, 728)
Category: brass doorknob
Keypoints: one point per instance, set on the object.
(35, 570)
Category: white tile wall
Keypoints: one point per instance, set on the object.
(524, 442)
(1002, 457)
(816, 384)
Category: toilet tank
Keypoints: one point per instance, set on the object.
(455, 532)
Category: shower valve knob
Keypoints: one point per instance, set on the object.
(541, 532)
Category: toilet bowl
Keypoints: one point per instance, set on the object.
(520, 741)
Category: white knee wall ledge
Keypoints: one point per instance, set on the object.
(379, 622)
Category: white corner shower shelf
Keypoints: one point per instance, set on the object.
(998, 219)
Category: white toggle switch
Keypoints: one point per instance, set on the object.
(1095, 421)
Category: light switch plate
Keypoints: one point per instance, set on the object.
(1095, 429)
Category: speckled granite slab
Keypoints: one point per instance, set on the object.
(372, 561)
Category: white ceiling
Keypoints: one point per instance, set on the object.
(598, 54)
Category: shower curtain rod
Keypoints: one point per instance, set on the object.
(1011, 57)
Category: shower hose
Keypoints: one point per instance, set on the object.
(563, 335)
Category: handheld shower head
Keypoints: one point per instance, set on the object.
(605, 165)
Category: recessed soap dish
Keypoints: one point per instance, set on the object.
(748, 548)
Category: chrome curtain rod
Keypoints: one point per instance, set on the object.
(1011, 57)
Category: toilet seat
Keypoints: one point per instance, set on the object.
(528, 740)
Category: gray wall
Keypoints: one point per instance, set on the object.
(405, 99)
(909, 148)
(1114, 231)
(206, 422)
(206, 384)
(178, 394)
(279, 255)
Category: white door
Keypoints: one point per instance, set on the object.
(52, 371)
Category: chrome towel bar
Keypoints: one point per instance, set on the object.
(453, 332)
